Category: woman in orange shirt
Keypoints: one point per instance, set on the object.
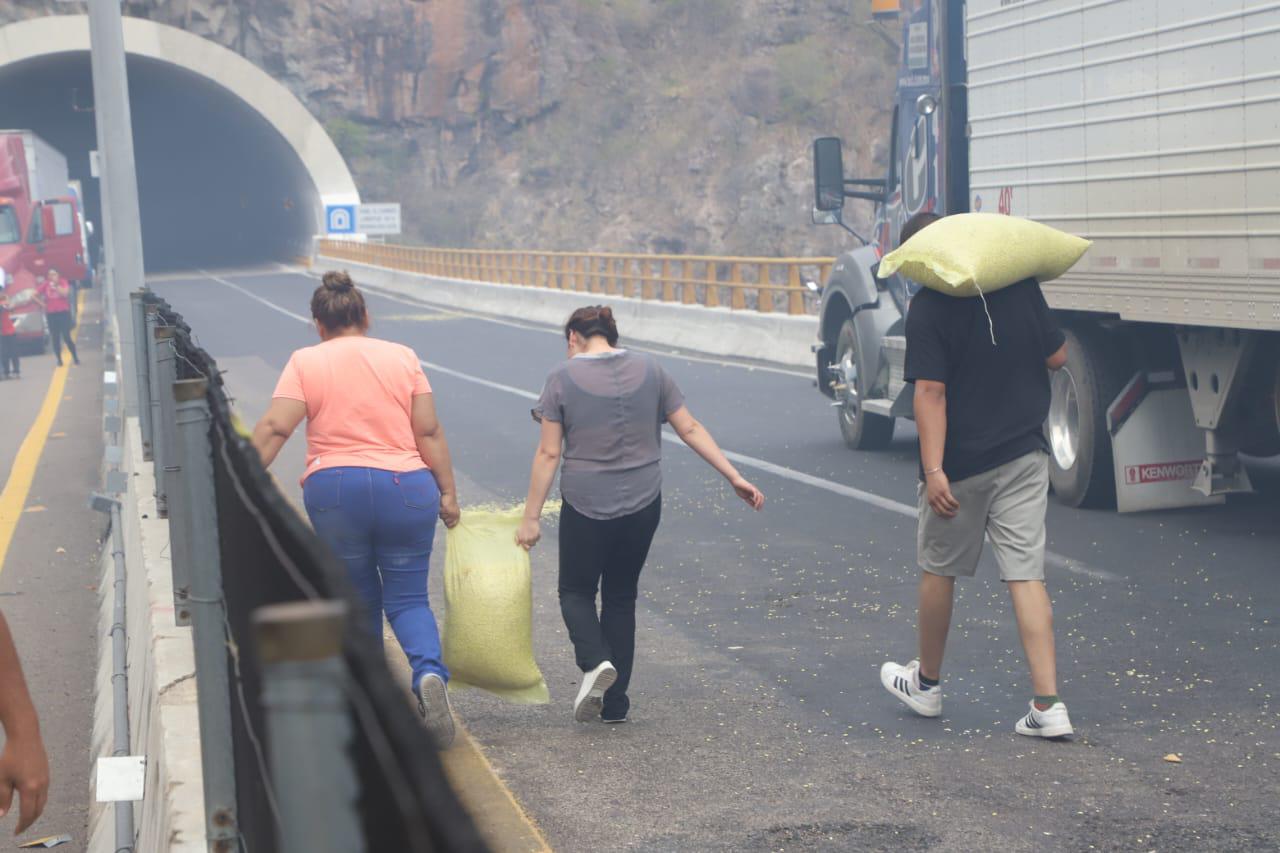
(378, 474)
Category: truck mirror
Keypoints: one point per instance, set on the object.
(828, 175)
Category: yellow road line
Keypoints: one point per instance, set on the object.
(491, 804)
(23, 472)
(500, 817)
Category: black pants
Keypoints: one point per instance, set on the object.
(608, 554)
(9, 356)
(60, 330)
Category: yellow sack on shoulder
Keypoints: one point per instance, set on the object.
(488, 616)
(966, 253)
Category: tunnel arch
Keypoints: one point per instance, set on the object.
(24, 42)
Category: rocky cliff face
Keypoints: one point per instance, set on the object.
(629, 125)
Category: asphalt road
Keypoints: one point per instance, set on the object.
(758, 721)
(49, 579)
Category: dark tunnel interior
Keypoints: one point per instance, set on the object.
(218, 186)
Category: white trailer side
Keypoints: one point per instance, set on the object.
(1153, 129)
(46, 167)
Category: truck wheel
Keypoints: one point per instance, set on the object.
(1080, 460)
(861, 431)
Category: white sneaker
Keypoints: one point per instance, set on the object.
(590, 701)
(437, 713)
(904, 683)
(1051, 722)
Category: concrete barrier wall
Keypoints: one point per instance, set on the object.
(777, 338)
(163, 722)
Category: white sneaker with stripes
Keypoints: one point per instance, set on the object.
(1051, 722)
(904, 683)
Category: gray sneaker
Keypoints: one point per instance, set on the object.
(437, 713)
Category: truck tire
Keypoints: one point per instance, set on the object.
(861, 431)
(1080, 459)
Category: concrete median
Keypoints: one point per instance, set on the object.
(777, 338)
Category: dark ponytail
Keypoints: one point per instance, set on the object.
(591, 321)
(337, 304)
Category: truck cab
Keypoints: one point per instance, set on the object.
(861, 349)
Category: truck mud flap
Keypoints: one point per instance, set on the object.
(1156, 445)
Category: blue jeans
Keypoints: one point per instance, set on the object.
(382, 525)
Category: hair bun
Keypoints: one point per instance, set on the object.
(337, 282)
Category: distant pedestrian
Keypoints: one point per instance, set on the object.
(980, 408)
(378, 475)
(602, 413)
(55, 295)
(24, 765)
(10, 367)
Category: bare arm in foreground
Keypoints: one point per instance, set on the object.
(24, 767)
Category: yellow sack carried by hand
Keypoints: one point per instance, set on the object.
(488, 600)
(966, 253)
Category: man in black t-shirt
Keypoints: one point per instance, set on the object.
(981, 366)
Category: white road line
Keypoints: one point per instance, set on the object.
(906, 510)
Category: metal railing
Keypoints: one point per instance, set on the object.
(766, 285)
(307, 742)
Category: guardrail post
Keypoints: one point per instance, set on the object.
(138, 318)
(668, 289)
(208, 617)
(764, 293)
(153, 395)
(164, 371)
(169, 479)
(795, 291)
(738, 296)
(713, 285)
(304, 695)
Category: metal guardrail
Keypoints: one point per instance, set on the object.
(307, 742)
(759, 284)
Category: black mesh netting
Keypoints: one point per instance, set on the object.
(269, 555)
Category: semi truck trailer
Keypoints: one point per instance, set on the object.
(41, 226)
(1149, 128)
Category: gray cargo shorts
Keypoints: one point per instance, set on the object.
(1006, 505)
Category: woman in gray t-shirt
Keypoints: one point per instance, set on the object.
(602, 413)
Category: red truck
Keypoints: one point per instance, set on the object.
(41, 227)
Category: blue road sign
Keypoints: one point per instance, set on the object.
(340, 218)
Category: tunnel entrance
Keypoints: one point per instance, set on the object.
(218, 185)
